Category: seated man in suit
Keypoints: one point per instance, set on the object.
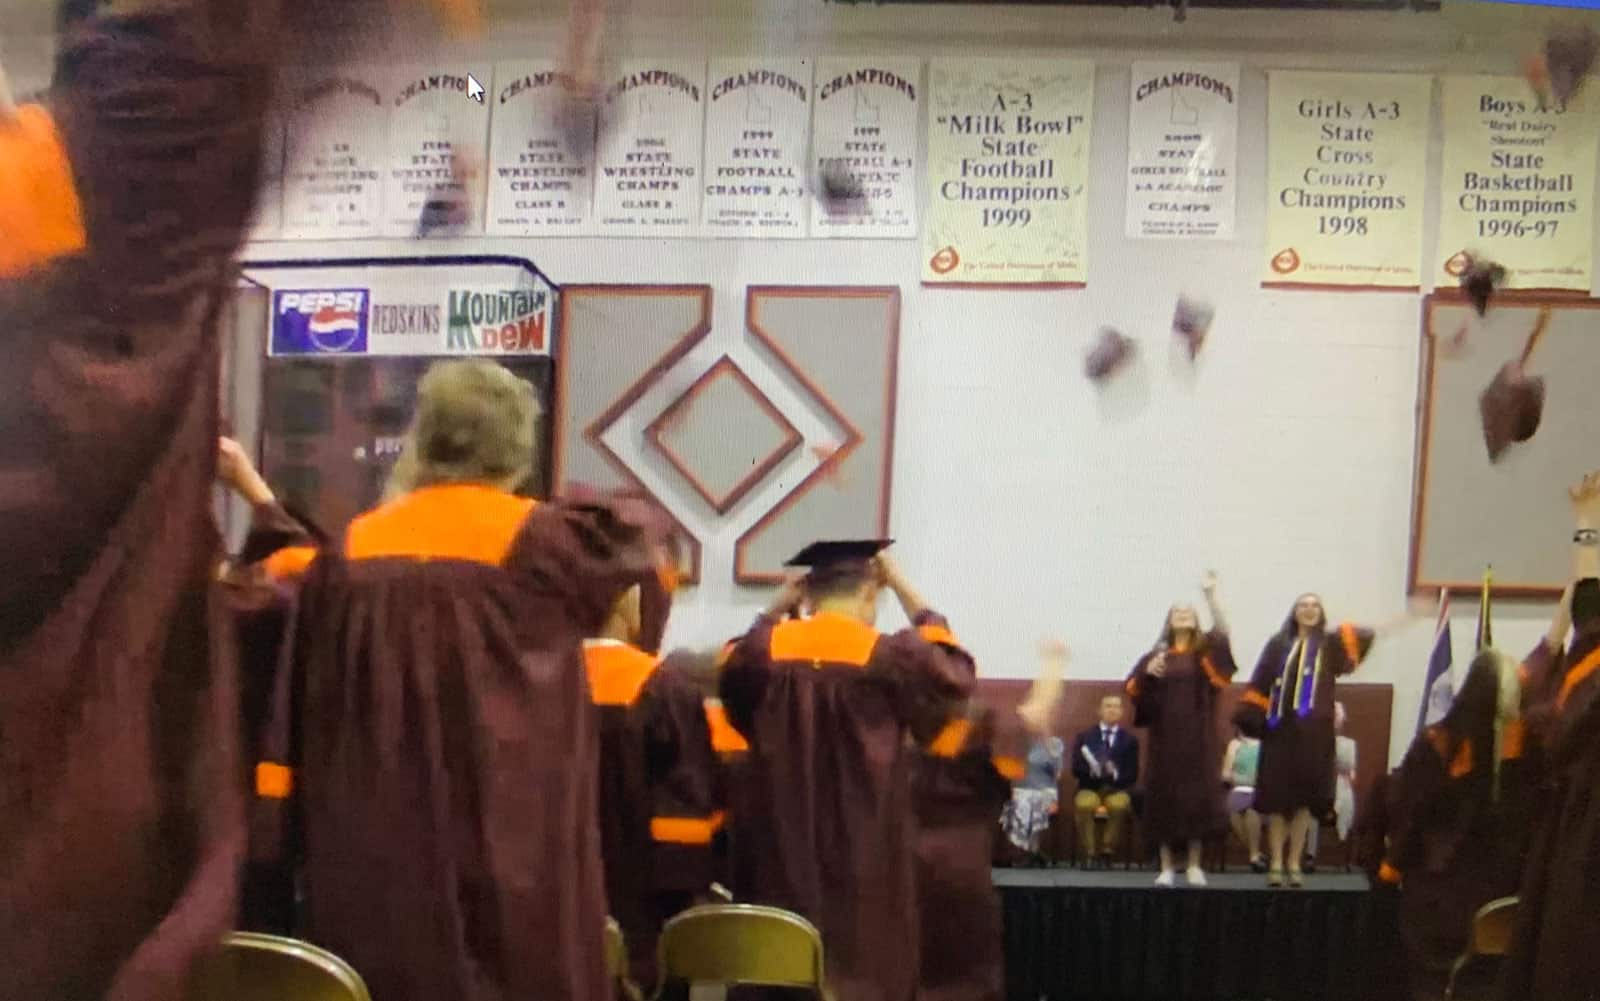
(1105, 761)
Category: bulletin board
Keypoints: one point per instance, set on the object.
(1512, 515)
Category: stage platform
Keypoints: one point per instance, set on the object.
(1072, 935)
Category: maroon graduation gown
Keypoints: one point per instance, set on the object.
(1183, 801)
(438, 733)
(959, 794)
(825, 824)
(120, 820)
(647, 714)
(1554, 955)
(1297, 751)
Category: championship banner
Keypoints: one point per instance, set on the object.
(757, 121)
(469, 308)
(647, 175)
(1518, 183)
(864, 143)
(438, 137)
(1183, 126)
(541, 166)
(1008, 168)
(335, 135)
(1346, 166)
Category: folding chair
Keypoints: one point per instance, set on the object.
(1490, 936)
(617, 961)
(741, 944)
(252, 967)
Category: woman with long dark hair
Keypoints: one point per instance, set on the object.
(1290, 704)
(1174, 689)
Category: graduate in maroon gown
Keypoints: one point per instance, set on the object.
(653, 733)
(1174, 689)
(120, 804)
(1554, 956)
(825, 824)
(959, 789)
(1290, 705)
(1447, 810)
(435, 727)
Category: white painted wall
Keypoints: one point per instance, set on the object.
(1026, 504)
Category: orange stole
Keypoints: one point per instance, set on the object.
(467, 522)
(617, 673)
(41, 218)
(825, 637)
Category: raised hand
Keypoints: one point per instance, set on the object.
(1585, 498)
(1208, 583)
(235, 469)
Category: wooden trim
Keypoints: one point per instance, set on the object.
(1317, 287)
(657, 428)
(854, 437)
(631, 395)
(1416, 582)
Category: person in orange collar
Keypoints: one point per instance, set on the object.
(1553, 957)
(653, 731)
(826, 826)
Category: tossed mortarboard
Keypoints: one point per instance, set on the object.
(1513, 403)
(831, 552)
(1191, 320)
(1110, 353)
(1480, 280)
(1558, 70)
(837, 188)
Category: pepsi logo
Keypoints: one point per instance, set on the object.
(331, 321)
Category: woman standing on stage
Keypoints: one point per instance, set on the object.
(1174, 689)
(1290, 703)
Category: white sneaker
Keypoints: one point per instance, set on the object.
(1195, 877)
(1166, 878)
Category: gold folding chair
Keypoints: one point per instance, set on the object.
(741, 944)
(251, 967)
(617, 961)
(1491, 934)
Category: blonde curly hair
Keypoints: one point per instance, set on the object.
(476, 422)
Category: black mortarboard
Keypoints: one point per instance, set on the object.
(837, 187)
(1569, 55)
(1191, 320)
(1481, 278)
(1513, 403)
(1111, 352)
(825, 553)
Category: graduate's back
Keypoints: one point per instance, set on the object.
(439, 728)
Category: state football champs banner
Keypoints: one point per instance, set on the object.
(1008, 171)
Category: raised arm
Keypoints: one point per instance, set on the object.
(1219, 618)
(1038, 710)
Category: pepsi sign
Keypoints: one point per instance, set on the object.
(319, 321)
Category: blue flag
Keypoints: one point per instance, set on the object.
(1438, 688)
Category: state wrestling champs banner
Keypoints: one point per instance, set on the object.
(1517, 183)
(1346, 170)
(416, 307)
(1008, 171)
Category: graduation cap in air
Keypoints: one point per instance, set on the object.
(1480, 279)
(1513, 403)
(836, 187)
(1111, 352)
(1191, 320)
(1558, 71)
(838, 562)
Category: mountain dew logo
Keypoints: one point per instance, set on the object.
(510, 322)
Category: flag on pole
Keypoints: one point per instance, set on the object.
(1438, 688)
(1485, 631)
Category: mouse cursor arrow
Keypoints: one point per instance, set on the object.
(474, 88)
